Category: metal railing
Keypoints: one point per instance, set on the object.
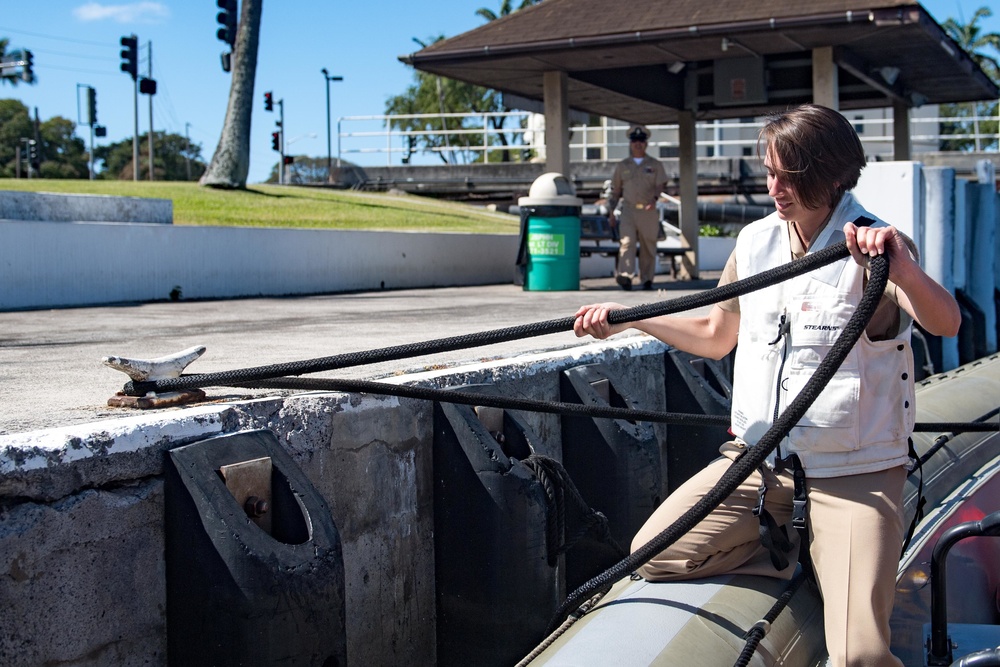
(459, 138)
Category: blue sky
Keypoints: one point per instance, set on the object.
(77, 42)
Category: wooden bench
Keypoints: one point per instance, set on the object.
(605, 242)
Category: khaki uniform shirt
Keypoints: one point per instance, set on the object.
(637, 185)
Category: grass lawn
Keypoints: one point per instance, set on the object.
(291, 206)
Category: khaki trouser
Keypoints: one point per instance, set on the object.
(856, 533)
(642, 226)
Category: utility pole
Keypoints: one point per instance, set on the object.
(187, 150)
(329, 152)
(91, 151)
(36, 158)
(149, 76)
(281, 127)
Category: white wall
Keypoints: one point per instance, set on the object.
(893, 191)
(49, 264)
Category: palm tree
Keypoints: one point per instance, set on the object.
(969, 38)
(231, 162)
(973, 42)
(505, 8)
(12, 80)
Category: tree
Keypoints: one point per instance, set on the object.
(231, 161)
(62, 154)
(171, 154)
(15, 124)
(505, 9)
(303, 170)
(433, 97)
(975, 43)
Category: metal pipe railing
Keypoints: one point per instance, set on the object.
(477, 136)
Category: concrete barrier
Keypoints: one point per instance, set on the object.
(57, 207)
(81, 531)
(52, 264)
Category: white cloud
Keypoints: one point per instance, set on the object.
(135, 12)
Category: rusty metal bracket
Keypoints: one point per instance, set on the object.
(140, 370)
(151, 401)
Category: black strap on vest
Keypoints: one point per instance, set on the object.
(918, 515)
(773, 537)
(800, 513)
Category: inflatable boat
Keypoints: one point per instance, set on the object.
(749, 620)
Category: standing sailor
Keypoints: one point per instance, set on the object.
(637, 183)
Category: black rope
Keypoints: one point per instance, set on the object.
(555, 517)
(559, 490)
(755, 634)
(981, 423)
(551, 407)
(755, 455)
(642, 312)
(487, 400)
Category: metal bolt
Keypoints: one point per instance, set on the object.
(255, 507)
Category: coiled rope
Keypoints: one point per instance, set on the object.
(559, 491)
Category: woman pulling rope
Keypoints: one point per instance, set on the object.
(848, 454)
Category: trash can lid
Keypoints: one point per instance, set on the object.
(551, 189)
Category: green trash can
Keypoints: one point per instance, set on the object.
(550, 230)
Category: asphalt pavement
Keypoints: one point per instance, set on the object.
(52, 375)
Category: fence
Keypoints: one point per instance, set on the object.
(457, 138)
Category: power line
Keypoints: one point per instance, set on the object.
(77, 69)
(55, 37)
(72, 55)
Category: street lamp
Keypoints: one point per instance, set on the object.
(329, 150)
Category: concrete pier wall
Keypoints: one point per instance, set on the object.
(81, 509)
(58, 207)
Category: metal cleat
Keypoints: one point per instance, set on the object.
(147, 370)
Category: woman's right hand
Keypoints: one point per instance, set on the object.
(593, 320)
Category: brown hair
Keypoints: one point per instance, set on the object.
(820, 154)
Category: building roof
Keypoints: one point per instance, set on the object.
(631, 60)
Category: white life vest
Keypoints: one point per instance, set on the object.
(861, 420)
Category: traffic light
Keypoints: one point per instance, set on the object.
(288, 159)
(91, 106)
(147, 86)
(33, 154)
(100, 131)
(276, 141)
(130, 56)
(28, 74)
(268, 102)
(227, 18)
